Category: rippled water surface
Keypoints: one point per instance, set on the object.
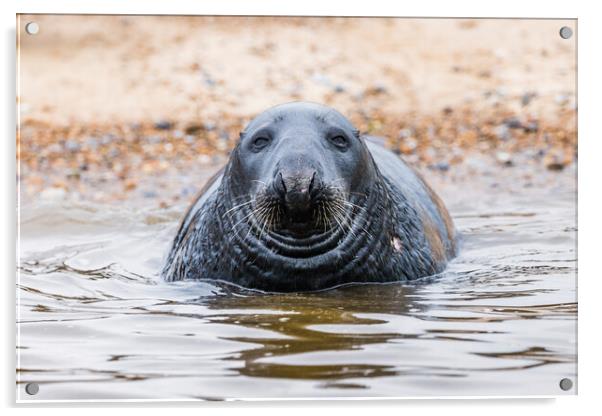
(94, 321)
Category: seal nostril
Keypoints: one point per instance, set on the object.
(279, 185)
(311, 182)
(315, 186)
(282, 183)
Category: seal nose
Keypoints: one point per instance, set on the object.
(295, 189)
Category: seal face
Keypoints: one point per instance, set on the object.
(306, 203)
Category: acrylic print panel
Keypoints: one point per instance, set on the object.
(322, 262)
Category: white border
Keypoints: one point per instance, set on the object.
(427, 8)
(589, 159)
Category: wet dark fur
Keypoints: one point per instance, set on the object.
(385, 233)
(221, 246)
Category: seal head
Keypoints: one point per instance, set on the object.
(297, 165)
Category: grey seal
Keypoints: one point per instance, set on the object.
(305, 203)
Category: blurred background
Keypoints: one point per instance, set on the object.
(145, 108)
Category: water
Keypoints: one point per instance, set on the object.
(95, 322)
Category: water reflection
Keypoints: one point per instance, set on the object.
(297, 318)
(340, 320)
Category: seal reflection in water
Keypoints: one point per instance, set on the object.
(306, 203)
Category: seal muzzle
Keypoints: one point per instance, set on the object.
(296, 190)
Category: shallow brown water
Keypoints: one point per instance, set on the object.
(95, 322)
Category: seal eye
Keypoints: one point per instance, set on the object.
(260, 142)
(339, 141)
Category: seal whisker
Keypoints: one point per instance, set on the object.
(260, 213)
(246, 217)
(334, 217)
(340, 218)
(243, 219)
(326, 215)
(239, 206)
(270, 219)
(352, 205)
(364, 228)
(344, 218)
(323, 217)
(364, 210)
(278, 216)
(340, 204)
(237, 198)
(261, 182)
(257, 213)
(265, 213)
